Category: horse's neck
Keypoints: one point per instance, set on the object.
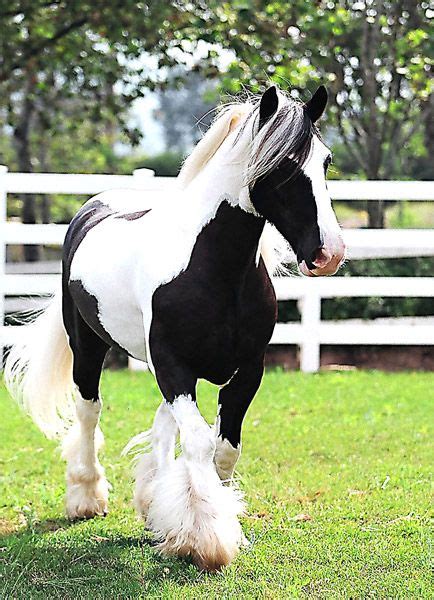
(231, 240)
(223, 176)
(232, 230)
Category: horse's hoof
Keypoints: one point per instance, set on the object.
(87, 499)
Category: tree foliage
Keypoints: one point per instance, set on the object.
(375, 56)
(69, 71)
(186, 109)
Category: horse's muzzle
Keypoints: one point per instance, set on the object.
(327, 260)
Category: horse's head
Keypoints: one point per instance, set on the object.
(288, 168)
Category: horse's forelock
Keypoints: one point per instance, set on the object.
(288, 134)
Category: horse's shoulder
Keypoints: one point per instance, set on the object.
(258, 288)
(258, 311)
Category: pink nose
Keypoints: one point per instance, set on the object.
(327, 261)
(322, 258)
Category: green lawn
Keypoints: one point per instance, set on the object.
(336, 469)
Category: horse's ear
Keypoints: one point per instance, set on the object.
(316, 105)
(268, 105)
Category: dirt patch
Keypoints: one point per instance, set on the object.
(8, 527)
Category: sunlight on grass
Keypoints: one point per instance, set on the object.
(336, 468)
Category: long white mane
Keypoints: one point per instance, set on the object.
(272, 247)
(227, 119)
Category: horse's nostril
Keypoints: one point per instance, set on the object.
(322, 257)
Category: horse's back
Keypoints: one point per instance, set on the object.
(98, 271)
(118, 250)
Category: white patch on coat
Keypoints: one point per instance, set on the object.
(314, 170)
(86, 485)
(191, 512)
(156, 454)
(225, 458)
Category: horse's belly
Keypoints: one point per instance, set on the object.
(123, 322)
(113, 316)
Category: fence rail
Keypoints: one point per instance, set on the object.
(308, 334)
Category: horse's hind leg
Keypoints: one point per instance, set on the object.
(87, 486)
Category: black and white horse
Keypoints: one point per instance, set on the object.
(183, 284)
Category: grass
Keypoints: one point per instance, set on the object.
(335, 467)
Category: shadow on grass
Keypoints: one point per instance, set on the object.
(63, 559)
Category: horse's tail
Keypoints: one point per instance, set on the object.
(38, 371)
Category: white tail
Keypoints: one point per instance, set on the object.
(38, 372)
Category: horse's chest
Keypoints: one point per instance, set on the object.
(211, 326)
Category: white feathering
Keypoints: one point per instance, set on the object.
(193, 514)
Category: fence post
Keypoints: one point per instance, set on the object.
(310, 320)
(3, 214)
(139, 175)
(143, 173)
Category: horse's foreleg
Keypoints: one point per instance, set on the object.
(234, 400)
(191, 512)
(162, 439)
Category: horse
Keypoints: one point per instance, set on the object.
(183, 284)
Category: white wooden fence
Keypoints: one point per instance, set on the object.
(311, 332)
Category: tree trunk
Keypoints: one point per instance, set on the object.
(376, 214)
(22, 149)
(45, 209)
(375, 208)
(371, 31)
(45, 201)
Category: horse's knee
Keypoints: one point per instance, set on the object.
(88, 412)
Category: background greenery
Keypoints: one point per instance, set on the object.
(336, 468)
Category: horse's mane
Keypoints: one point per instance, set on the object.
(288, 133)
(227, 118)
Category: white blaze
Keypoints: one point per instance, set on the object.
(327, 222)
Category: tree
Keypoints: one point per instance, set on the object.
(184, 109)
(67, 65)
(70, 70)
(373, 55)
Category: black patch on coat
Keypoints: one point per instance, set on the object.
(134, 215)
(289, 203)
(87, 305)
(219, 312)
(88, 346)
(235, 399)
(89, 215)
